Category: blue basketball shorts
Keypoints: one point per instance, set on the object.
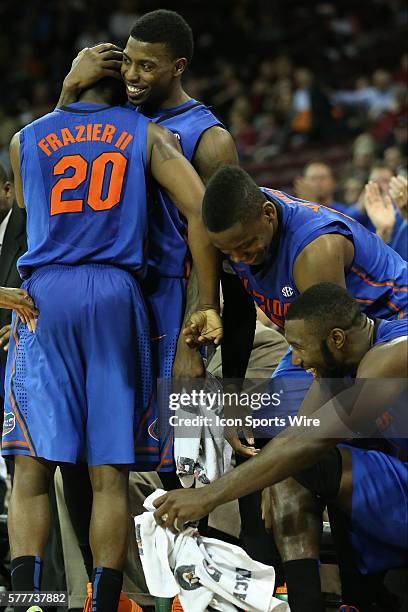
(165, 299)
(379, 520)
(78, 388)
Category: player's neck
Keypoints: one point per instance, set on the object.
(361, 342)
(176, 97)
(92, 97)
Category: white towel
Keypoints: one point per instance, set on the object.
(206, 456)
(202, 571)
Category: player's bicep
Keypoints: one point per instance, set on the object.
(322, 261)
(215, 149)
(175, 174)
(15, 164)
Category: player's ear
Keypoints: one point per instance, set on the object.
(180, 66)
(337, 338)
(268, 211)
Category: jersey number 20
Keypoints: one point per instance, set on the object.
(97, 173)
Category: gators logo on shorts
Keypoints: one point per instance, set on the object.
(9, 423)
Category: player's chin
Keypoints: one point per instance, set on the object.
(137, 100)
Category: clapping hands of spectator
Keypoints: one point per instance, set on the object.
(380, 211)
(399, 194)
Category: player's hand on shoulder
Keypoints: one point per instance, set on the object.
(5, 332)
(92, 64)
(20, 301)
(204, 327)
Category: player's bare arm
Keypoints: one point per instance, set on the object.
(323, 260)
(216, 149)
(281, 457)
(176, 175)
(15, 165)
(90, 65)
(18, 299)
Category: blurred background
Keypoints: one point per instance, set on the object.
(293, 81)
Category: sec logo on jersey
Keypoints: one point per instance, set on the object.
(287, 291)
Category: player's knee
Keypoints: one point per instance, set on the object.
(296, 521)
(109, 478)
(32, 476)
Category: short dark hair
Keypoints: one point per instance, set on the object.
(166, 27)
(4, 177)
(328, 305)
(231, 197)
(111, 90)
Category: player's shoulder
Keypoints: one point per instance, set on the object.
(388, 359)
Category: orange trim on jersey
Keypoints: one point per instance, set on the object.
(19, 442)
(395, 307)
(399, 311)
(375, 284)
(164, 460)
(10, 393)
(311, 205)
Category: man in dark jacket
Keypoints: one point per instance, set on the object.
(12, 245)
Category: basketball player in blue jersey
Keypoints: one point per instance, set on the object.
(330, 334)
(156, 55)
(80, 386)
(280, 246)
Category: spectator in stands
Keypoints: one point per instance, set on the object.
(351, 190)
(12, 245)
(318, 185)
(364, 149)
(394, 159)
(376, 98)
(381, 174)
(311, 118)
(382, 213)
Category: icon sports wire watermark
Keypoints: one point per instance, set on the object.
(269, 406)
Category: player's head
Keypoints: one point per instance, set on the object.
(107, 90)
(6, 193)
(157, 52)
(320, 177)
(319, 326)
(240, 220)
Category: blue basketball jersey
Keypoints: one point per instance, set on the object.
(377, 277)
(168, 249)
(83, 172)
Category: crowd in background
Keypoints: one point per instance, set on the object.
(281, 75)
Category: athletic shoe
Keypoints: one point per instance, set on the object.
(176, 607)
(282, 592)
(347, 608)
(125, 604)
